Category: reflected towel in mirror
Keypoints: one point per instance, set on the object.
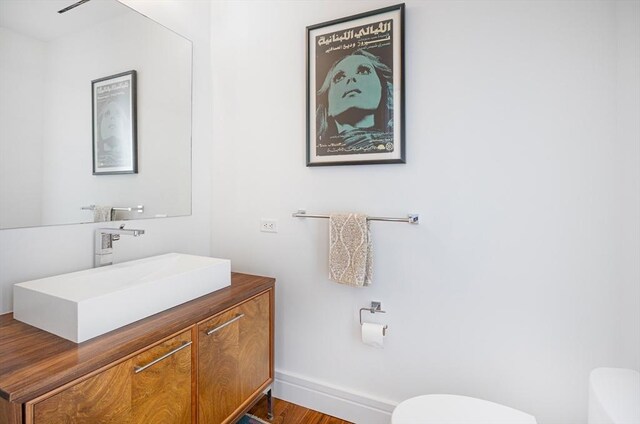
(102, 213)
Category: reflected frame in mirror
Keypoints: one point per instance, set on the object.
(115, 135)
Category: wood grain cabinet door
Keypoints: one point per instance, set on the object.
(104, 398)
(255, 348)
(233, 359)
(161, 383)
(152, 387)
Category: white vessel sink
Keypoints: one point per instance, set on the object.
(81, 305)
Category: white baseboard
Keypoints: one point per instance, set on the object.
(332, 400)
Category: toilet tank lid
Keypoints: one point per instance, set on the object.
(617, 390)
(432, 409)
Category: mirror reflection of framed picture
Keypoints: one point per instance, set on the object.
(114, 124)
(355, 89)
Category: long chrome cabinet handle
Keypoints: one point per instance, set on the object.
(166, 355)
(213, 330)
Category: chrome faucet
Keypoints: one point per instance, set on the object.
(104, 238)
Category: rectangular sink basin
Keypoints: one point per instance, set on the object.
(85, 304)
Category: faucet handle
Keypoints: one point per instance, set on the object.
(116, 237)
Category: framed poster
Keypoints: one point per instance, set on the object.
(355, 89)
(114, 124)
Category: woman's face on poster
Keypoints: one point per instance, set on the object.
(113, 122)
(354, 84)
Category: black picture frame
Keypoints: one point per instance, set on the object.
(362, 123)
(114, 126)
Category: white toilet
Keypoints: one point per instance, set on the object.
(614, 396)
(453, 409)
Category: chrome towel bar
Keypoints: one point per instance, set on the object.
(411, 218)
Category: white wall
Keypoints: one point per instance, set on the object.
(38, 252)
(523, 162)
(628, 181)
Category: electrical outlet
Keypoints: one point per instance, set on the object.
(269, 225)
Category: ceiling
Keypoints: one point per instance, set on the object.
(40, 18)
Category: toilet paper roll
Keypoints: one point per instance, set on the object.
(373, 334)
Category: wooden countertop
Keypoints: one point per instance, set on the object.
(33, 361)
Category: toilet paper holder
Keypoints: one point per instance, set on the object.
(376, 307)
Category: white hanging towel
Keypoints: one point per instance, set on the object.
(350, 251)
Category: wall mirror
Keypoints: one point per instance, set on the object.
(48, 61)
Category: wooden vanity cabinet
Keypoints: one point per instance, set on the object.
(206, 362)
(152, 387)
(234, 360)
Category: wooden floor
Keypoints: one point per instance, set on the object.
(289, 413)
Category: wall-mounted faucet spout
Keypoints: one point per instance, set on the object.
(104, 238)
(121, 231)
